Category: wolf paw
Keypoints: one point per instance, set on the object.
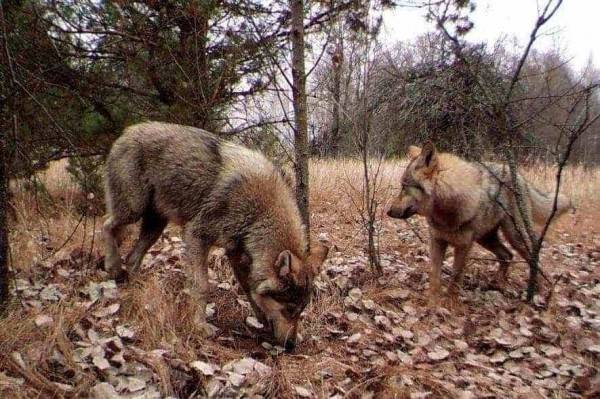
(121, 276)
(202, 327)
(205, 330)
(452, 301)
(434, 300)
(453, 291)
(495, 285)
(498, 283)
(118, 274)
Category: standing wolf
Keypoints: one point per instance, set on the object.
(468, 202)
(224, 195)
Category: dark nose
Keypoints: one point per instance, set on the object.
(290, 345)
(393, 213)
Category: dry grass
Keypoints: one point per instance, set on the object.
(329, 179)
(45, 217)
(46, 229)
(581, 184)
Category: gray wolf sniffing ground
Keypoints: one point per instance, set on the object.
(467, 202)
(224, 195)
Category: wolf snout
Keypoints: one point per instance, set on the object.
(392, 213)
(286, 337)
(401, 213)
(396, 213)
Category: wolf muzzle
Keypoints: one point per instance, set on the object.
(405, 214)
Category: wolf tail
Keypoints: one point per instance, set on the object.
(542, 204)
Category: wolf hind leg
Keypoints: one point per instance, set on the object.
(196, 270)
(152, 227)
(519, 240)
(522, 243)
(492, 243)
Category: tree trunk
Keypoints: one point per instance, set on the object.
(4, 284)
(337, 62)
(299, 98)
(6, 62)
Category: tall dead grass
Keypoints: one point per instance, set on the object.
(46, 219)
(579, 183)
(47, 222)
(329, 177)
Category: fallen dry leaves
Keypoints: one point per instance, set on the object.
(75, 332)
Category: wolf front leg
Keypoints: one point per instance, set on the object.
(461, 252)
(437, 251)
(196, 270)
(241, 264)
(152, 227)
(112, 230)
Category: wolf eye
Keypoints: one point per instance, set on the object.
(278, 296)
(412, 185)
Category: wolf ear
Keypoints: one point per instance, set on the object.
(428, 156)
(284, 263)
(316, 257)
(413, 152)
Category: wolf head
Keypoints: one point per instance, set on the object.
(282, 297)
(417, 182)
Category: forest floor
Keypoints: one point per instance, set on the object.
(72, 332)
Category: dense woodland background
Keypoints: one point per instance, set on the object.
(309, 83)
(294, 79)
(73, 74)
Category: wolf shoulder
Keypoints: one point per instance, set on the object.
(186, 145)
(159, 138)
